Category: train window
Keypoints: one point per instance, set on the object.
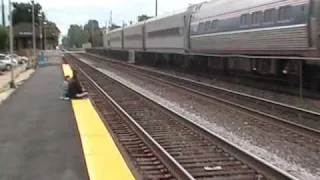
(284, 13)
(214, 24)
(245, 19)
(269, 15)
(117, 38)
(133, 37)
(165, 32)
(200, 27)
(207, 26)
(256, 18)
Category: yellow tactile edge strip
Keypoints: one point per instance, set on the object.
(103, 159)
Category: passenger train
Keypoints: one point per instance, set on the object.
(234, 27)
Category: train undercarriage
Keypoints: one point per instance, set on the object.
(299, 77)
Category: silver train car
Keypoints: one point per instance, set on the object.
(114, 39)
(165, 34)
(273, 27)
(133, 37)
(256, 27)
(232, 27)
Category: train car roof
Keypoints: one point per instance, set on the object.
(221, 7)
(134, 25)
(157, 18)
(184, 10)
(115, 30)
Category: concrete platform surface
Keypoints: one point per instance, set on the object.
(23, 76)
(39, 139)
(103, 158)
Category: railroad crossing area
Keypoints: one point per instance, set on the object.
(124, 130)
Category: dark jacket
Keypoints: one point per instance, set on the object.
(74, 88)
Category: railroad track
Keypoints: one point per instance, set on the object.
(188, 151)
(300, 120)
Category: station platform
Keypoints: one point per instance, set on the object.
(43, 137)
(103, 159)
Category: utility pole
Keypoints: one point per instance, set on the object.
(40, 29)
(33, 31)
(3, 15)
(91, 27)
(156, 8)
(110, 20)
(12, 83)
(45, 35)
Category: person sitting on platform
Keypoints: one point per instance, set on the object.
(75, 90)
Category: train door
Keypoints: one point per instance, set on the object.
(264, 66)
(122, 38)
(314, 22)
(186, 31)
(311, 75)
(144, 36)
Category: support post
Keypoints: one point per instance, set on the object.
(12, 82)
(40, 31)
(45, 37)
(301, 79)
(33, 33)
(156, 8)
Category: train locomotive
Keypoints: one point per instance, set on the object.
(239, 33)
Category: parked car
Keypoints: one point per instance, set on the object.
(3, 66)
(15, 58)
(24, 59)
(7, 62)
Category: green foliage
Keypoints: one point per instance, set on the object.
(65, 41)
(22, 12)
(90, 32)
(91, 25)
(4, 38)
(52, 30)
(143, 17)
(95, 34)
(77, 36)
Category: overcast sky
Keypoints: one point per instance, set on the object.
(66, 12)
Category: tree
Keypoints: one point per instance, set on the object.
(65, 41)
(95, 33)
(52, 31)
(22, 12)
(91, 25)
(77, 36)
(143, 17)
(97, 37)
(4, 38)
